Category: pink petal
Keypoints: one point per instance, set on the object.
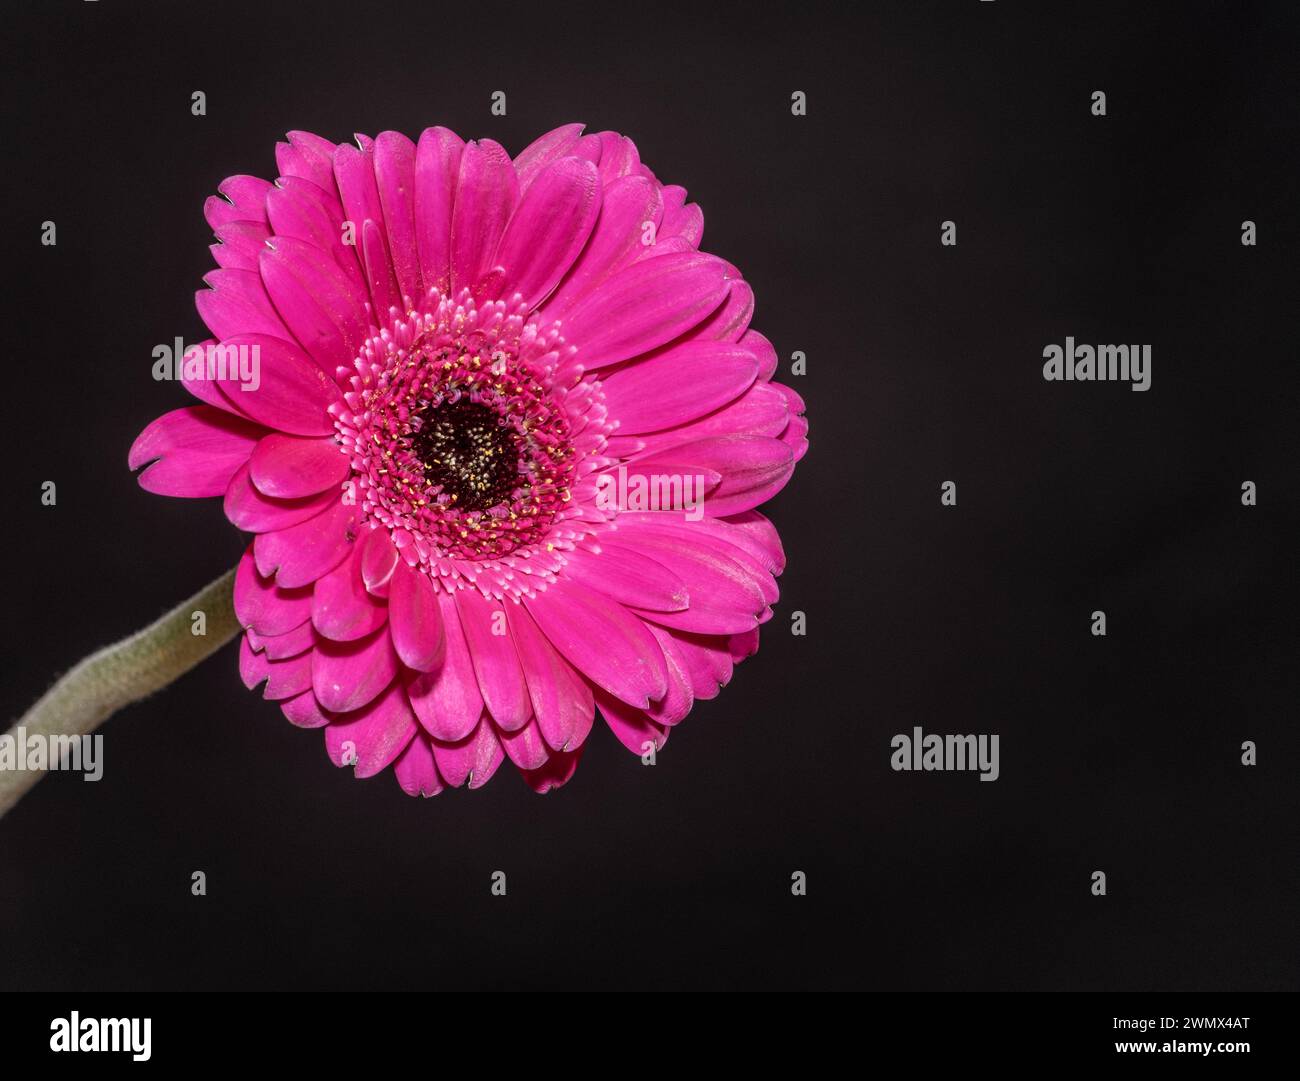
(627, 207)
(548, 229)
(685, 220)
(496, 665)
(415, 769)
(373, 737)
(235, 302)
(525, 747)
(676, 704)
(379, 272)
(673, 487)
(795, 435)
(561, 699)
(245, 200)
(558, 770)
(263, 606)
(284, 679)
(725, 595)
(743, 645)
(637, 732)
(437, 165)
(602, 640)
(303, 553)
(291, 394)
(415, 620)
(307, 156)
(706, 661)
(194, 378)
(628, 577)
(763, 350)
(717, 535)
(304, 711)
(293, 466)
(448, 702)
(378, 560)
(348, 675)
(300, 210)
(342, 609)
(218, 212)
(195, 451)
(474, 759)
(486, 192)
(679, 385)
(395, 178)
(644, 306)
(792, 397)
(753, 468)
(250, 510)
(324, 310)
(758, 536)
(540, 153)
(280, 647)
(731, 320)
(761, 410)
(673, 245)
(240, 244)
(354, 172)
(618, 156)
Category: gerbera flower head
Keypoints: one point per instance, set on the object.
(499, 429)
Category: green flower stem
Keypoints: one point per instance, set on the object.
(125, 672)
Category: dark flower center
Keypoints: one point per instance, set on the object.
(467, 451)
(459, 435)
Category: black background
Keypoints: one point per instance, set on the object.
(1119, 754)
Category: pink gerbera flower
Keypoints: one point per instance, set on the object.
(500, 430)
